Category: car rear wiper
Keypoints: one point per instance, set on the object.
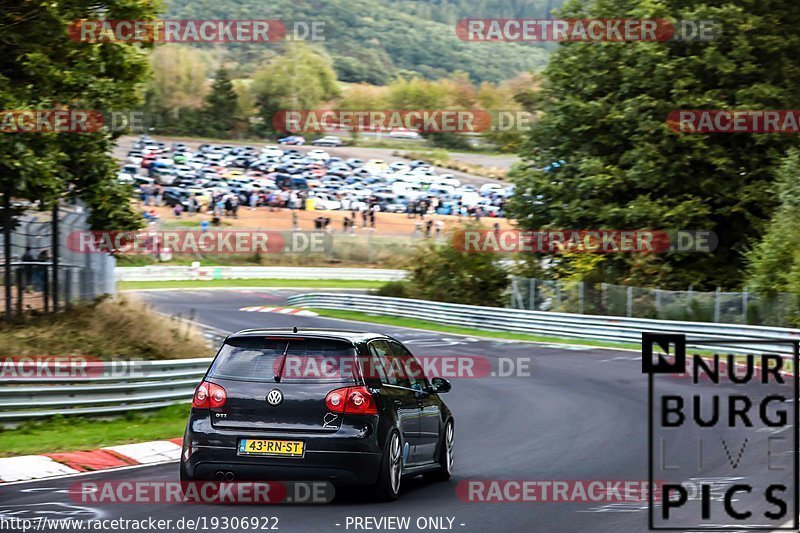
(279, 375)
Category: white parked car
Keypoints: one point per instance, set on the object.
(318, 155)
(488, 188)
(399, 166)
(448, 179)
(271, 151)
(326, 202)
(403, 133)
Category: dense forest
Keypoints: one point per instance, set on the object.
(374, 40)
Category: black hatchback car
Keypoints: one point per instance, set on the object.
(347, 407)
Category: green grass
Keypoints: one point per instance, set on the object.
(444, 328)
(65, 434)
(203, 284)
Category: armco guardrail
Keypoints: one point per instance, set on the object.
(566, 325)
(108, 388)
(104, 387)
(181, 273)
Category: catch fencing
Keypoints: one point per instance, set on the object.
(641, 302)
(550, 324)
(45, 274)
(117, 387)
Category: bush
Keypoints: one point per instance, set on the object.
(394, 289)
(442, 273)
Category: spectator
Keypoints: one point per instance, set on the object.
(27, 270)
(40, 271)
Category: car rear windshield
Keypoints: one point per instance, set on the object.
(289, 359)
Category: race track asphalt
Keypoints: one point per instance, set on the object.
(581, 414)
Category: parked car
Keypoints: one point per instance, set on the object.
(328, 141)
(293, 140)
(403, 133)
(318, 155)
(263, 412)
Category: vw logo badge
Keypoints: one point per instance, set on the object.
(275, 397)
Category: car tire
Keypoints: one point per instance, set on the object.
(387, 488)
(445, 455)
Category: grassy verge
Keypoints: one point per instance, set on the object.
(64, 434)
(204, 284)
(105, 329)
(441, 158)
(444, 328)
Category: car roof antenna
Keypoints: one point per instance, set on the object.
(294, 329)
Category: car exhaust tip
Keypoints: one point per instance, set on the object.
(229, 476)
(220, 475)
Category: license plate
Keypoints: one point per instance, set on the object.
(284, 448)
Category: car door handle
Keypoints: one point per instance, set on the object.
(398, 403)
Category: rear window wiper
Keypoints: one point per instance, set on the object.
(279, 375)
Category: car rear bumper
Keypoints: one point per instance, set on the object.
(339, 468)
(349, 456)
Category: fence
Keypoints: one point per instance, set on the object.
(551, 324)
(44, 276)
(172, 273)
(363, 247)
(153, 384)
(619, 300)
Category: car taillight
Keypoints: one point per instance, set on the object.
(217, 396)
(351, 400)
(209, 396)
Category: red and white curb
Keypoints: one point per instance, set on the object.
(28, 467)
(281, 310)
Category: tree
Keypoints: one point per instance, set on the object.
(177, 88)
(302, 79)
(221, 107)
(605, 108)
(443, 273)
(41, 68)
(774, 262)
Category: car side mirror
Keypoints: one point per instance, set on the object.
(440, 385)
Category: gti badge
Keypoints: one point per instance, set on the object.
(274, 397)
